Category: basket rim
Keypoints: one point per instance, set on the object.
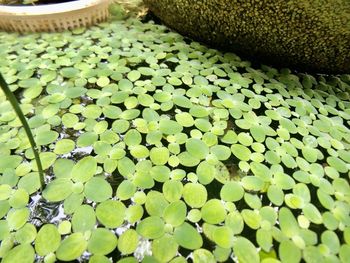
(48, 9)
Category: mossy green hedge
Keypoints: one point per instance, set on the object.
(308, 35)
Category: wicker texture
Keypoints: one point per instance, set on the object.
(53, 17)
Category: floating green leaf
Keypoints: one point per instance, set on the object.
(285, 248)
(197, 148)
(64, 146)
(169, 127)
(164, 248)
(188, 237)
(172, 190)
(5, 191)
(245, 251)
(195, 195)
(128, 242)
(151, 227)
(102, 242)
(223, 236)
(21, 253)
(47, 240)
(231, 192)
(84, 169)
(213, 211)
(155, 203)
(26, 234)
(83, 219)
(58, 190)
(111, 213)
(159, 156)
(175, 213)
(241, 152)
(97, 189)
(72, 247)
(205, 172)
(16, 218)
(125, 190)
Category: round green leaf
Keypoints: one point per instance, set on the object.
(188, 160)
(128, 242)
(205, 172)
(245, 251)
(159, 156)
(221, 152)
(97, 189)
(213, 211)
(83, 219)
(289, 252)
(184, 119)
(203, 255)
(132, 137)
(251, 218)
(241, 152)
(125, 190)
(64, 146)
(58, 190)
(111, 213)
(99, 259)
(195, 195)
(69, 72)
(264, 239)
(175, 213)
(312, 213)
(172, 190)
(102, 242)
(23, 253)
(160, 173)
(16, 218)
(5, 191)
(164, 248)
(72, 247)
(26, 234)
(151, 227)
(188, 237)
(275, 194)
(197, 148)
(155, 203)
(223, 236)
(47, 240)
(252, 183)
(134, 213)
(231, 192)
(84, 169)
(46, 137)
(169, 127)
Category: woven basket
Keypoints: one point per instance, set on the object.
(53, 17)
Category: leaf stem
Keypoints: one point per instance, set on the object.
(11, 97)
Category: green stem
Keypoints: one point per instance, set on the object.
(24, 122)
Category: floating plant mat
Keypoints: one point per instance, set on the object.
(160, 149)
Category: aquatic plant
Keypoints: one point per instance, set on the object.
(14, 103)
(160, 149)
